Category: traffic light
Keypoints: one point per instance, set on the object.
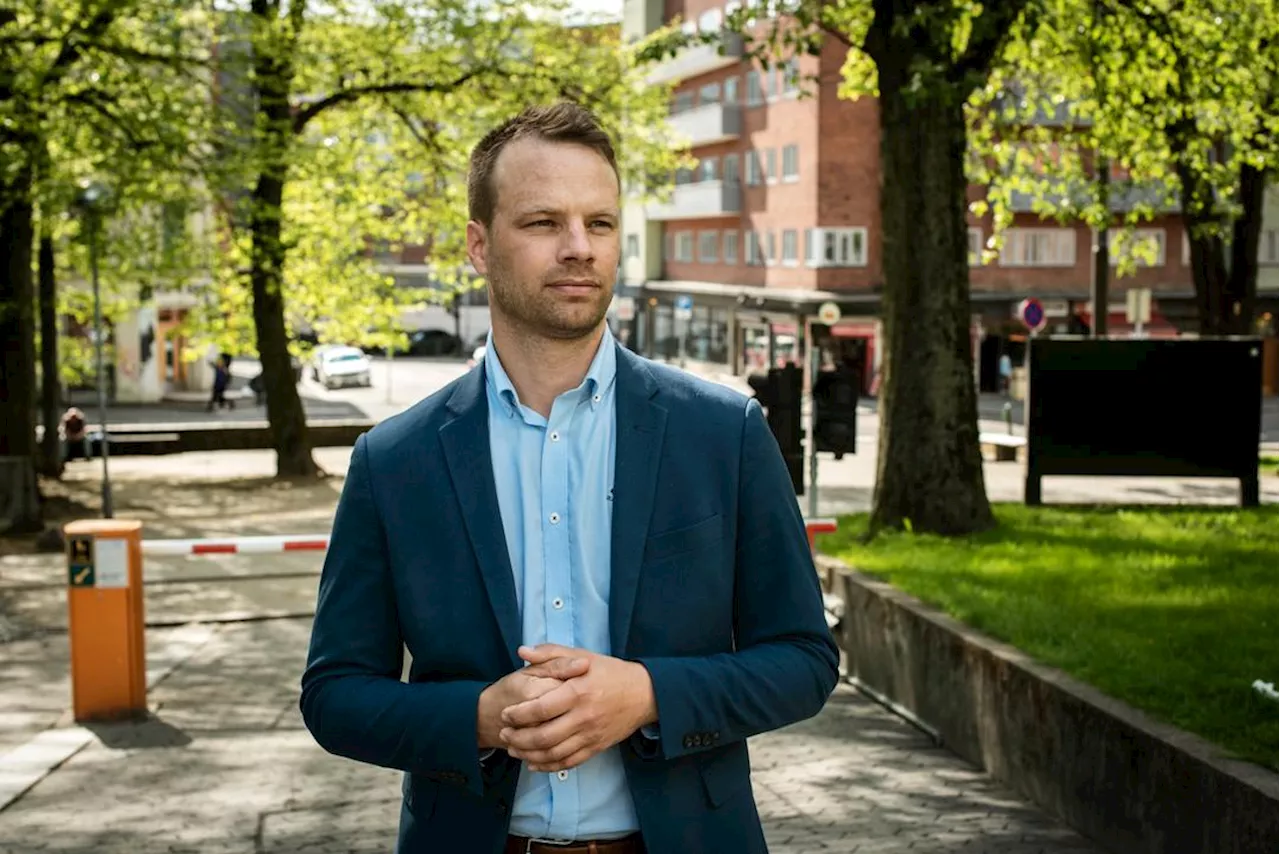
(779, 393)
(835, 411)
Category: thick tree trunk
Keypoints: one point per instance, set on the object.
(929, 474)
(50, 385)
(1241, 297)
(1208, 250)
(284, 407)
(273, 75)
(19, 495)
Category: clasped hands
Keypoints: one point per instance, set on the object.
(566, 706)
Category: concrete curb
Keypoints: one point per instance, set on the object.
(1106, 769)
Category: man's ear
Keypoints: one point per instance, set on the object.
(477, 241)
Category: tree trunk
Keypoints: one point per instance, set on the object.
(284, 407)
(19, 494)
(285, 414)
(929, 474)
(50, 385)
(1240, 299)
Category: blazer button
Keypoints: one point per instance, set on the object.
(688, 741)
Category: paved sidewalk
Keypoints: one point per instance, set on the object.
(225, 766)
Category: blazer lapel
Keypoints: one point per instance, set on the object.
(466, 448)
(641, 424)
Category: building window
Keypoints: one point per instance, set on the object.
(791, 78)
(755, 94)
(1269, 247)
(731, 91)
(633, 246)
(753, 168)
(709, 94)
(836, 247)
(975, 247)
(771, 165)
(684, 176)
(1039, 247)
(708, 247)
(789, 251)
(1144, 245)
(731, 247)
(770, 248)
(708, 169)
(770, 83)
(753, 249)
(669, 246)
(684, 246)
(682, 102)
(730, 168)
(791, 163)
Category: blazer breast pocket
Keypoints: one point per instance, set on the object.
(684, 540)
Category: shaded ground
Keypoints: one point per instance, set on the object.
(224, 765)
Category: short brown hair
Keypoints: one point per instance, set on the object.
(563, 122)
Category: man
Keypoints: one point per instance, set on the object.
(596, 563)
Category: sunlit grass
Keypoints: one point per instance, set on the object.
(1172, 610)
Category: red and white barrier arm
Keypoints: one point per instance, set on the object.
(315, 543)
(820, 526)
(236, 545)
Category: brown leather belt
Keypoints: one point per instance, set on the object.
(628, 845)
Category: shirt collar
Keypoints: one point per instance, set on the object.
(600, 375)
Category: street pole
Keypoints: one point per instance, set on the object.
(815, 365)
(102, 372)
(391, 354)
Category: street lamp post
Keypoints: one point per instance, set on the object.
(91, 196)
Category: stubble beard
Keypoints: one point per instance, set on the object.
(534, 310)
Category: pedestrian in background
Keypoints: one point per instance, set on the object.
(596, 563)
(221, 379)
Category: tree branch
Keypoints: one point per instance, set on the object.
(72, 44)
(173, 60)
(95, 102)
(354, 93)
(990, 29)
(429, 142)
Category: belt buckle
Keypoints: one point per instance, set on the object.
(557, 843)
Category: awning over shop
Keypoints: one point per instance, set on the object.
(801, 300)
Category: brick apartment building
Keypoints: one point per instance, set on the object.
(782, 214)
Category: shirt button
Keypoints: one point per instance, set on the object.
(557, 603)
(555, 518)
(555, 437)
(595, 398)
(562, 775)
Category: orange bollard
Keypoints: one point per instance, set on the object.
(105, 619)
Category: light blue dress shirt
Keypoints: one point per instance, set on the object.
(554, 478)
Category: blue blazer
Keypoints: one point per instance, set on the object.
(713, 590)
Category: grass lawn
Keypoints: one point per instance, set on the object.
(1268, 464)
(1171, 610)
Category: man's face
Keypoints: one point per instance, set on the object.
(551, 254)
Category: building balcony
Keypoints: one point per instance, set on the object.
(708, 124)
(699, 59)
(702, 200)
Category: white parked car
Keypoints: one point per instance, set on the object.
(336, 367)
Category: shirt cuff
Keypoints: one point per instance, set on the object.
(651, 732)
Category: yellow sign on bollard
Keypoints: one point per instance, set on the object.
(105, 619)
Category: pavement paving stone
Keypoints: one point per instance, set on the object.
(224, 766)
